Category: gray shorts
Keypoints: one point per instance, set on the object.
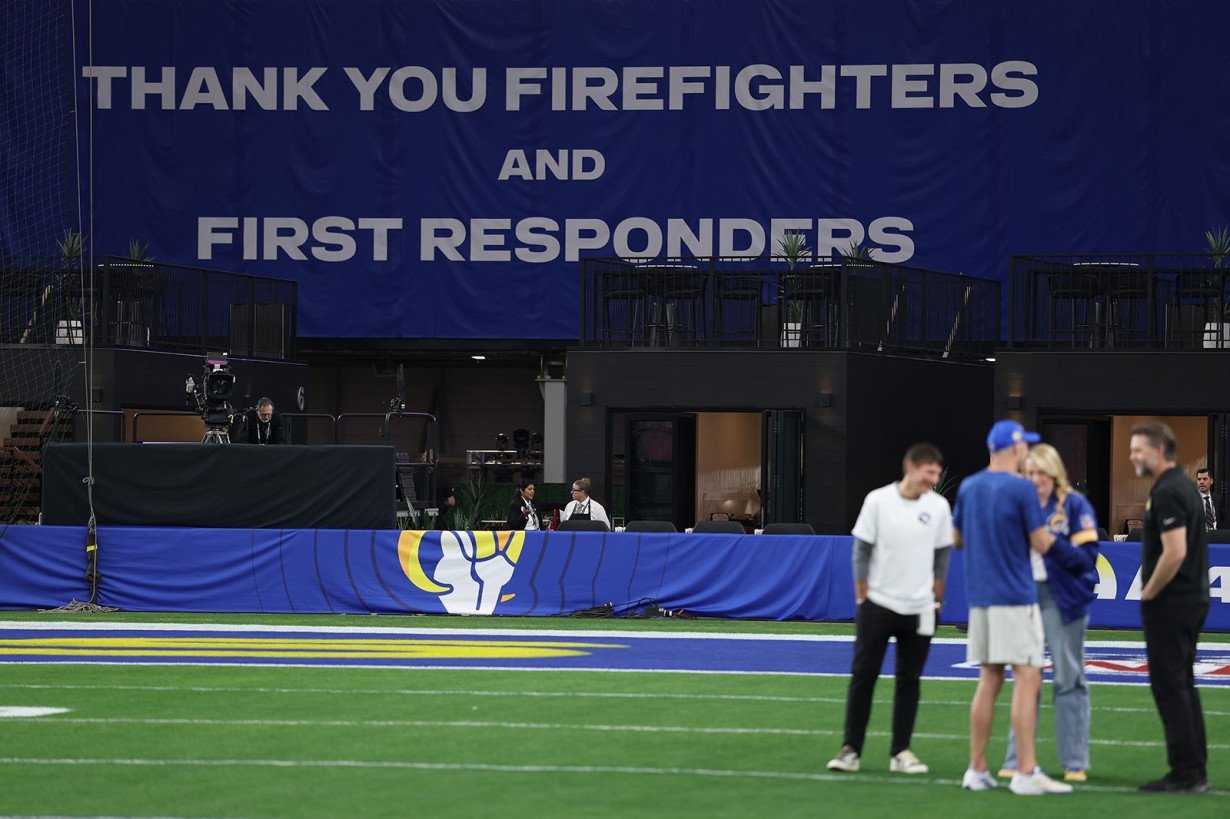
(1005, 635)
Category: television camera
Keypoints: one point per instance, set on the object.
(212, 396)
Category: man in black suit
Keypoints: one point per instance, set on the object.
(262, 425)
(1208, 504)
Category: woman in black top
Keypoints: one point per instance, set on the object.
(521, 511)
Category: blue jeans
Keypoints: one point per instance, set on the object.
(1069, 688)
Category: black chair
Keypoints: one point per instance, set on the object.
(737, 310)
(788, 529)
(1080, 296)
(624, 305)
(1103, 535)
(571, 525)
(1218, 536)
(650, 526)
(810, 301)
(1134, 536)
(718, 527)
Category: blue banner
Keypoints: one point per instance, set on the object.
(490, 573)
(435, 168)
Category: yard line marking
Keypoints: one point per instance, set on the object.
(532, 726)
(885, 698)
(479, 767)
(25, 712)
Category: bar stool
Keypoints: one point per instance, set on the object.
(1081, 294)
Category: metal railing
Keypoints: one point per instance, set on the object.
(146, 304)
(1119, 301)
(849, 304)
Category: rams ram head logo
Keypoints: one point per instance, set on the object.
(472, 571)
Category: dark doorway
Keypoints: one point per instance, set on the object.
(782, 478)
(660, 469)
(1084, 444)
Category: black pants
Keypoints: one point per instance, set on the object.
(875, 625)
(1171, 630)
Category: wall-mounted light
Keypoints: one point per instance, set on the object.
(989, 359)
(587, 399)
(1014, 402)
(479, 357)
(825, 399)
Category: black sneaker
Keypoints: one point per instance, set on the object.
(1167, 784)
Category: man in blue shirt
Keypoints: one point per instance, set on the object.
(997, 521)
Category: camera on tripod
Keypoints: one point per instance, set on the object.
(213, 398)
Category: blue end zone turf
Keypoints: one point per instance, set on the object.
(592, 650)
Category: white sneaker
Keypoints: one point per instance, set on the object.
(846, 760)
(978, 780)
(906, 762)
(1036, 784)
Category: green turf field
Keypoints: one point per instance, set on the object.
(216, 741)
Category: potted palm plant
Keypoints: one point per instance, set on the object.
(69, 329)
(793, 247)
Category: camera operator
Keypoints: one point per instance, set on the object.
(261, 425)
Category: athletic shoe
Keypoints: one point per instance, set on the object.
(1006, 773)
(978, 781)
(846, 760)
(907, 763)
(1168, 785)
(1036, 784)
(1074, 775)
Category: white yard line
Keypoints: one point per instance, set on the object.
(480, 767)
(524, 726)
(488, 694)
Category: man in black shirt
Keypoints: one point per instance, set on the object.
(262, 425)
(1173, 604)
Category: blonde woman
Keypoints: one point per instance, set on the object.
(1066, 576)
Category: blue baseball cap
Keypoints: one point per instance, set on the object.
(1006, 433)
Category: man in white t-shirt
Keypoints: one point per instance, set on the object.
(902, 540)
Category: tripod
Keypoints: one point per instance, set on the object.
(216, 435)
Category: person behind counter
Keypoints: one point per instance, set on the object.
(262, 425)
(582, 506)
(521, 511)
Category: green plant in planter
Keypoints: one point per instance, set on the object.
(1217, 244)
(471, 498)
(72, 248)
(793, 247)
(138, 252)
(857, 251)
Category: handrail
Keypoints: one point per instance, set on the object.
(332, 419)
(91, 412)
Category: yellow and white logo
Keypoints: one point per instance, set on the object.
(473, 569)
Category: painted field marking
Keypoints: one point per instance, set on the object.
(480, 767)
(523, 650)
(542, 726)
(22, 712)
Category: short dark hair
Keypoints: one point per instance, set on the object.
(924, 453)
(1205, 469)
(1159, 435)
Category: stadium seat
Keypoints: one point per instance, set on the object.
(1134, 535)
(1103, 535)
(788, 529)
(718, 527)
(571, 525)
(650, 526)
